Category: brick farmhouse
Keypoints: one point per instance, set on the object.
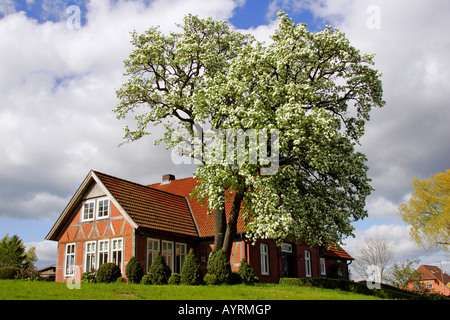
(111, 220)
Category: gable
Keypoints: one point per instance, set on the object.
(90, 190)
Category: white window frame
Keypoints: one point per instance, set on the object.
(102, 206)
(69, 267)
(323, 269)
(168, 254)
(307, 263)
(151, 251)
(116, 251)
(102, 251)
(90, 254)
(179, 247)
(83, 209)
(264, 254)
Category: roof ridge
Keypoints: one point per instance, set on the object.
(159, 183)
(138, 184)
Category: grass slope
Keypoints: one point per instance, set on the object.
(40, 290)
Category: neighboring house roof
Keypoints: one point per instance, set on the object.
(433, 273)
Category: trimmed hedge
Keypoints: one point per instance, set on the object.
(108, 272)
(134, 271)
(386, 292)
(246, 273)
(219, 266)
(159, 271)
(191, 273)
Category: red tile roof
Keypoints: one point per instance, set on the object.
(338, 252)
(204, 221)
(164, 207)
(433, 272)
(151, 208)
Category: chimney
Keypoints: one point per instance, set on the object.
(166, 178)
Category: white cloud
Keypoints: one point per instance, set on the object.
(46, 252)
(57, 88)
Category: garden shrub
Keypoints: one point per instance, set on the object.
(108, 272)
(8, 273)
(219, 266)
(88, 276)
(146, 279)
(121, 280)
(210, 279)
(191, 273)
(246, 272)
(159, 271)
(174, 279)
(134, 271)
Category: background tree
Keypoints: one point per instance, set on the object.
(315, 89)
(14, 254)
(403, 275)
(428, 211)
(374, 253)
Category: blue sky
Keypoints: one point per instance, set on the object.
(57, 92)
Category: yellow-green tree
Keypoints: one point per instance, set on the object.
(428, 211)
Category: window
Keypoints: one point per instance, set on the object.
(152, 250)
(103, 252)
(89, 264)
(88, 210)
(264, 253)
(307, 263)
(69, 269)
(428, 285)
(103, 208)
(323, 270)
(167, 253)
(180, 256)
(117, 252)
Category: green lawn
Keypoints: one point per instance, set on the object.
(40, 290)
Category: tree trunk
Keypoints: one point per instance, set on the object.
(232, 223)
(220, 226)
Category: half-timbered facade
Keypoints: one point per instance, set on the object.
(111, 220)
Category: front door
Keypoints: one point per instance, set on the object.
(287, 261)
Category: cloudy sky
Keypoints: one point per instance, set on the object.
(61, 62)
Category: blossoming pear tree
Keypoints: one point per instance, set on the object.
(314, 89)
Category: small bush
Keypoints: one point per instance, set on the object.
(174, 279)
(146, 279)
(191, 273)
(134, 271)
(219, 266)
(108, 272)
(121, 280)
(88, 276)
(159, 271)
(8, 273)
(246, 272)
(210, 279)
